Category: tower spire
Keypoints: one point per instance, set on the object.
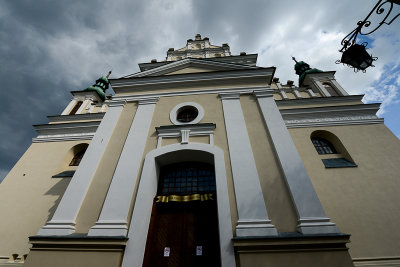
(302, 68)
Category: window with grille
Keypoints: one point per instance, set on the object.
(77, 158)
(76, 107)
(186, 178)
(187, 114)
(323, 146)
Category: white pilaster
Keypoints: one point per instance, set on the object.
(114, 214)
(311, 93)
(253, 216)
(338, 87)
(69, 107)
(297, 94)
(311, 216)
(103, 108)
(321, 87)
(83, 106)
(63, 221)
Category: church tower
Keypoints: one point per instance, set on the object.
(206, 159)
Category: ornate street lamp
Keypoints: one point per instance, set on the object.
(355, 55)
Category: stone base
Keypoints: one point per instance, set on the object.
(255, 228)
(109, 229)
(308, 226)
(58, 228)
(75, 250)
(293, 249)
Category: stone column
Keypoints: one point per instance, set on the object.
(311, 216)
(253, 216)
(114, 214)
(63, 221)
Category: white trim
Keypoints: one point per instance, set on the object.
(320, 100)
(241, 90)
(252, 212)
(192, 130)
(311, 215)
(330, 116)
(311, 93)
(113, 218)
(63, 137)
(321, 87)
(338, 87)
(83, 106)
(297, 94)
(189, 62)
(135, 248)
(174, 113)
(69, 107)
(63, 220)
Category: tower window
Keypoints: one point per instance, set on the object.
(77, 158)
(187, 114)
(76, 107)
(330, 89)
(323, 146)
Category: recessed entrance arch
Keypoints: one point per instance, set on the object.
(139, 226)
(183, 228)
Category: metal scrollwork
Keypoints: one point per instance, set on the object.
(379, 9)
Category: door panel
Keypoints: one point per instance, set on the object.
(183, 227)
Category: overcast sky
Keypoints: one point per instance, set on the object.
(49, 48)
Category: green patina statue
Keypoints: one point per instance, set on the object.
(302, 68)
(100, 86)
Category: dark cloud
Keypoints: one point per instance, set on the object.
(49, 48)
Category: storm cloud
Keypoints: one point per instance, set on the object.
(49, 48)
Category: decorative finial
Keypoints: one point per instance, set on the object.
(109, 73)
(294, 59)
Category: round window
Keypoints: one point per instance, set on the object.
(187, 114)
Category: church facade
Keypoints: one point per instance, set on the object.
(206, 159)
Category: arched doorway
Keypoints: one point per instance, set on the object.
(183, 228)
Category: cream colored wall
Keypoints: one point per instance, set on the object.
(295, 258)
(71, 258)
(96, 194)
(277, 199)
(363, 201)
(213, 114)
(29, 196)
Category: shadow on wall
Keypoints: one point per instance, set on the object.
(57, 190)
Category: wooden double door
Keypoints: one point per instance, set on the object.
(183, 233)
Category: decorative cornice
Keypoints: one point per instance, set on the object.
(331, 116)
(76, 117)
(65, 131)
(263, 93)
(189, 62)
(229, 95)
(319, 100)
(195, 129)
(215, 78)
(241, 90)
(147, 101)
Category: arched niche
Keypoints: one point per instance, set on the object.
(340, 150)
(147, 190)
(65, 169)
